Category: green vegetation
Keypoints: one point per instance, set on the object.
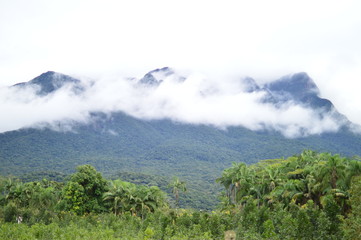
(310, 196)
(307, 196)
(117, 143)
(176, 185)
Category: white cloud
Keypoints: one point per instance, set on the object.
(262, 39)
(196, 100)
(23, 108)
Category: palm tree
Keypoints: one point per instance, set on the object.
(309, 157)
(353, 169)
(226, 181)
(238, 181)
(333, 172)
(273, 177)
(286, 192)
(117, 194)
(177, 186)
(157, 196)
(147, 200)
(16, 193)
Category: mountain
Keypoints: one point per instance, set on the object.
(118, 143)
(299, 88)
(50, 82)
(157, 76)
(296, 86)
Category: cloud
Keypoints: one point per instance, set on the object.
(22, 107)
(339, 78)
(197, 99)
(262, 39)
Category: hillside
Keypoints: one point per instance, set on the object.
(197, 154)
(117, 143)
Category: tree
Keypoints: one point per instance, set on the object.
(238, 181)
(116, 195)
(353, 169)
(177, 186)
(352, 224)
(332, 171)
(226, 181)
(149, 199)
(74, 196)
(84, 192)
(126, 196)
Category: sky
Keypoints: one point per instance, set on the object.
(219, 39)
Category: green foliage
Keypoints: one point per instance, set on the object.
(74, 197)
(352, 224)
(10, 212)
(137, 199)
(84, 192)
(312, 188)
(308, 196)
(176, 185)
(268, 230)
(119, 143)
(53, 231)
(38, 176)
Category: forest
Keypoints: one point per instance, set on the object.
(307, 196)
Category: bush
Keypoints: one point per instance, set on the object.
(10, 212)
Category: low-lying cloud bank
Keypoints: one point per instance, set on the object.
(194, 99)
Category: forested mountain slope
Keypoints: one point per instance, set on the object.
(117, 142)
(196, 153)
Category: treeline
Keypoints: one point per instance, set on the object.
(88, 206)
(86, 192)
(308, 196)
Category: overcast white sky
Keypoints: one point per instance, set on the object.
(261, 39)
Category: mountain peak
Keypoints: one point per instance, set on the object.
(49, 73)
(301, 89)
(50, 81)
(164, 69)
(156, 76)
(298, 85)
(250, 85)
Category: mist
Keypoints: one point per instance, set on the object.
(191, 99)
(261, 39)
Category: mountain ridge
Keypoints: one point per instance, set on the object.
(118, 142)
(297, 88)
(50, 82)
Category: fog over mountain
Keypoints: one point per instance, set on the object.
(290, 105)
